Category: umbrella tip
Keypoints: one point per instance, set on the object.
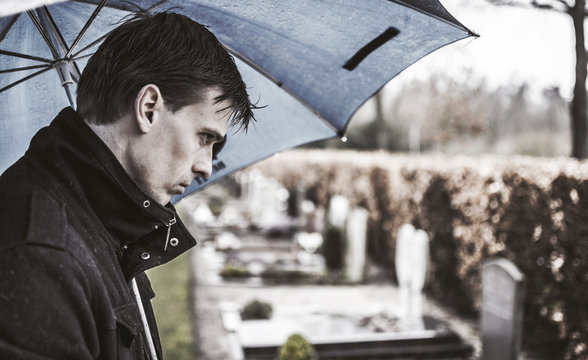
(343, 138)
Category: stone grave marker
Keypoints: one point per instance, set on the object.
(412, 254)
(270, 205)
(338, 210)
(502, 309)
(356, 234)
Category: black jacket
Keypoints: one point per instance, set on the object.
(74, 230)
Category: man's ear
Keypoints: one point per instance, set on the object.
(148, 105)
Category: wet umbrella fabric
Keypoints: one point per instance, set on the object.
(312, 63)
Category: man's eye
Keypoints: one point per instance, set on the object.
(217, 147)
(207, 139)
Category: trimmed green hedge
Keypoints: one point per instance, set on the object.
(533, 211)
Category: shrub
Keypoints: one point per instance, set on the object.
(256, 310)
(333, 247)
(230, 271)
(297, 348)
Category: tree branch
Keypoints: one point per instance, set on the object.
(542, 5)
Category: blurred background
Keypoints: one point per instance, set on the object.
(476, 144)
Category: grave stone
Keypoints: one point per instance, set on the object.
(253, 194)
(312, 218)
(246, 180)
(502, 310)
(265, 198)
(338, 210)
(412, 253)
(356, 233)
(270, 202)
(202, 214)
(310, 242)
(231, 216)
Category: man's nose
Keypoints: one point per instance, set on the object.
(202, 167)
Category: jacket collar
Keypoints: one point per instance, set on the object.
(144, 233)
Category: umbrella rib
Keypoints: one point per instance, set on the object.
(75, 72)
(81, 57)
(156, 5)
(458, 25)
(75, 56)
(25, 79)
(43, 34)
(24, 68)
(55, 29)
(25, 56)
(7, 29)
(85, 28)
(87, 25)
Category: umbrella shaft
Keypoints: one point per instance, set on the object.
(67, 82)
(69, 91)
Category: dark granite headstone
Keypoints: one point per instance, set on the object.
(502, 309)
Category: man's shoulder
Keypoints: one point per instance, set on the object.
(38, 209)
(33, 207)
(19, 180)
(31, 216)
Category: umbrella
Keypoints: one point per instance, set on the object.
(312, 63)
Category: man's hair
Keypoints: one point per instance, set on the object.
(170, 50)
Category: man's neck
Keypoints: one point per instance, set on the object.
(115, 136)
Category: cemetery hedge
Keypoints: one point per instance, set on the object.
(532, 211)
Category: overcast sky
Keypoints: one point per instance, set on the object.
(516, 45)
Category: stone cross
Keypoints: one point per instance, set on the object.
(502, 309)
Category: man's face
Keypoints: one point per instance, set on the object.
(179, 147)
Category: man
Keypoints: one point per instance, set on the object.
(86, 210)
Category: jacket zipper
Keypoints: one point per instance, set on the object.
(171, 222)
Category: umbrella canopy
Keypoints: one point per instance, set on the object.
(312, 63)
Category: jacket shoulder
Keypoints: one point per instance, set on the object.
(47, 221)
(34, 218)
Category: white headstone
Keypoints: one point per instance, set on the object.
(231, 216)
(265, 198)
(254, 194)
(310, 242)
(202, 214)
(338, 209)
(356, 235)
(227, 241)
(412, 254)
(502, 310)
(270, 207)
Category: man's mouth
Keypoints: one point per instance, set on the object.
(180, 188)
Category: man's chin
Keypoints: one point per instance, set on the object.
(178, 190)
(162, 199)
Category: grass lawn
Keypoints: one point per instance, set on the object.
(172, 308)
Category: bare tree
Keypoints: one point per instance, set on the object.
(381, 127)
(576, 9)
